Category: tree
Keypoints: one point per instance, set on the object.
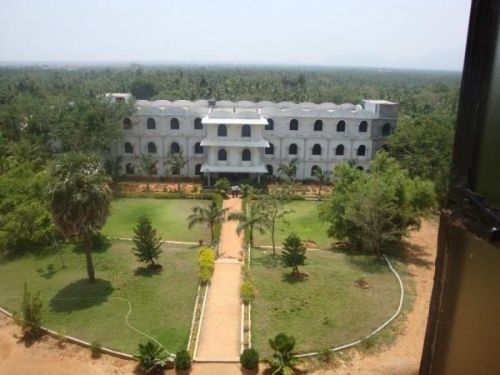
(151, 356)
(176, 161)
(321, 175)
(290, 169)
(147, 166)
(223, 186)
(147, 245)
(294, 253)
(30, 318)
(253, 218)
(282, 360)
(209, 215)
(79, 199)
(274, 212)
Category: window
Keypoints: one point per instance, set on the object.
(359, 168)
(270, 124)
(318, 126)
(361, 150)
(175, 148)
(269, 150)
(222, 155)
(341, 126)
(246, 155)
(175, 170)
(269, 169)
(129, 149)
(246, 131)
(292, 149)
(198, 148)
(174, 124)
(385, 148)
(197, 169)
(127, 124)
(197, 124)
(222, 130)
(386, 130)
(294, 124)
(314, 169)
(363, 127)
(151, 148)
(316, 149)
(129, 168)
(151, 123)
(339, 150)
(154, 169)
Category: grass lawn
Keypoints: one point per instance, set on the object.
(326, 309)
(304, 221)
(161, 303)
(169, 217)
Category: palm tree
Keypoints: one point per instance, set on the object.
(177, 161)
(290, 169)
(79, 199)
(147, 166)
(320, 174)
(209, 215)
(253, 218)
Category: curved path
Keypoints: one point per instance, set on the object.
(220, 329)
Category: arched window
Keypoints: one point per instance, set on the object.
(151, 148)
(174, 124)
(246, 155)
(385, 148)
(129, 149)
(316, 149)
(318, 126)
(269, 168)
(361, 150)
(269, 150)
(339, 150)
(222, 130)
(129, 168)
(270, 124)
(341, 126)
(175, 148)
(314, 169)
(386, 130)
(294, 124)
(198, 148)
(175, 170)
(127, 124)
(197, 123)
(222, 155)
(363, 127)
(151, 123)
(197, 169)
(292, 149)
(246, 131)
(359, 168)
(154, 168)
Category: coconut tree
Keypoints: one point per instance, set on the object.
(176, 161)
(79, 198)
(253, 218)
(289, 169)
(207, 215)
(147, 166)
(321, 175)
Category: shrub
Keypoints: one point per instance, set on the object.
(249, 359)
(206, 261)
(223, 186)
(182, 360)
(247, 292)
(30, 318)
(151, 356)
(95, 349)
(282, 360)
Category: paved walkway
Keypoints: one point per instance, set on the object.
(220, 329)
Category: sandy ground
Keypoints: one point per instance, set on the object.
(220, 328)
(401, 358)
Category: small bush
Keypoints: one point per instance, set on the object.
(95, 349)
(223, 186)
(249, 359)
(151, 356)
(247, 292)
(30, 318)
(182, 360)
(206, 262)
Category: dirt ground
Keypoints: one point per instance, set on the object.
(401, 358)
(157, 187)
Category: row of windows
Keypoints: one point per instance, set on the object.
(174, 148)
(316, 150)
(246, 130)
(246, 155)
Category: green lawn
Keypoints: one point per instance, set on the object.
(169, 217)
(326, 309)
(304, 221)
(161, 304)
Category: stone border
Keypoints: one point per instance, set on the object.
(202, 315)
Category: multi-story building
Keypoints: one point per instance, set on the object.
(245, 139)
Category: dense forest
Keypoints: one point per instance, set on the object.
(47, 112)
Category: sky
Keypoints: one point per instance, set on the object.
(416, 34)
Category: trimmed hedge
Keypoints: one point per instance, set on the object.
(249, 359)
(206, 261)
(166, 195)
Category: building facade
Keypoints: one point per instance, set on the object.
(247, 140)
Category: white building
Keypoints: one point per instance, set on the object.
(245, 139)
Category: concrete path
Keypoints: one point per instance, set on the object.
(220, 329)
